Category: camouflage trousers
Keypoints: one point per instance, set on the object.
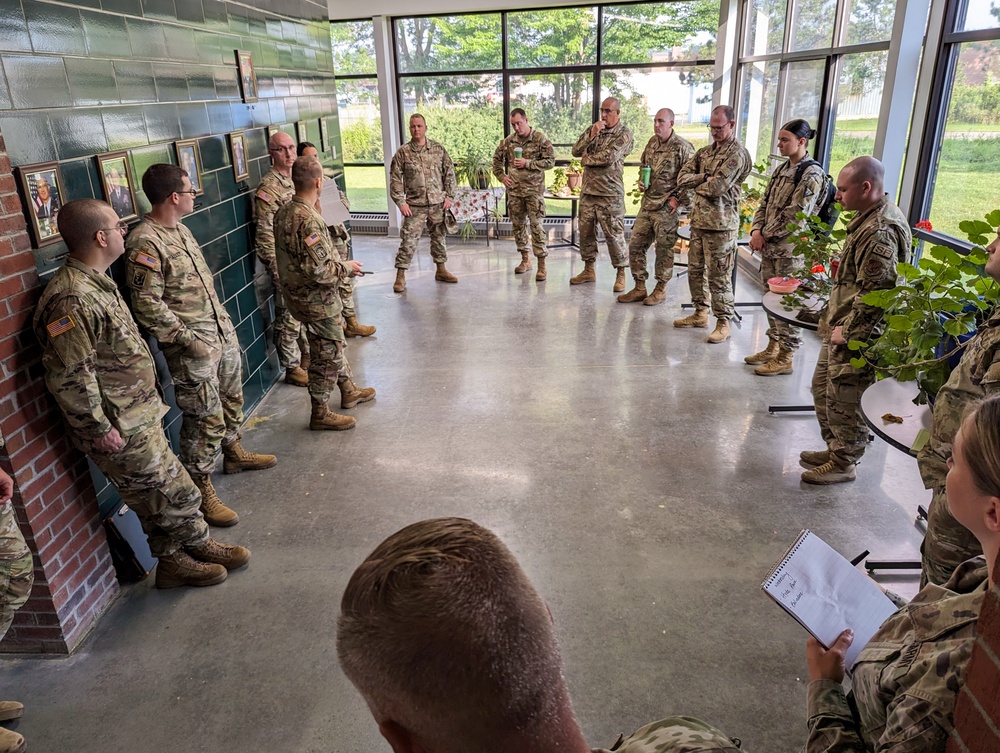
(524, 210)
(711, 260)
(413, 227)
(785, 334)
(209, 392)
(659, 226)
(609, 212)
(836, 389)
(328, 364)
(17, 568)
(290, 334)
(154, 484)
(947, 543)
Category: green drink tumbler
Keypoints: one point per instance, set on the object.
(518, 151)
(647, 172)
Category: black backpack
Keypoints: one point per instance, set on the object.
(826, 208)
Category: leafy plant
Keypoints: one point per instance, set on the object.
(752, 196)
(558, 180)
(575, 166)
(818, 245)
(474, 167)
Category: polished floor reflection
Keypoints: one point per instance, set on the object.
(632, 467)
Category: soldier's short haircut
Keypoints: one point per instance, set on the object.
(79, 221)
(417, 115)
(519, 111)
(867, 169)
(305, 170)
(162, 180)
(441, 631)
(725, 110)
(982, 444)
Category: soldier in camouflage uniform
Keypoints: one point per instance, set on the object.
(17, 573)
(602, 150)
(422, 185)
(947, 542)
(524, 178)
(174, 298)
(665, 154)
(878, 238)
(448, 596)
(311, 271)
(783, 199)
(102, 375)
(716, 173)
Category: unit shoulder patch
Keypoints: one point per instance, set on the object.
(60, 326)
(264, 195)
(141, 257)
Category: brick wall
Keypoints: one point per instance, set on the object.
(54, 496)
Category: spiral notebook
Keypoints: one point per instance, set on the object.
(827, 594)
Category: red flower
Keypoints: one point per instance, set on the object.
(818, 269)
(925, 225)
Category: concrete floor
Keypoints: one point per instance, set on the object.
(632, 468)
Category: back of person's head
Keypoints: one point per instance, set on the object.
(305, 172)
(982, 445)
(303, 145)
(799, 128)
(79, 221)
(867, 169)
(443, 634)
(160, 181)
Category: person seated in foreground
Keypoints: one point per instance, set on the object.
(454, 651)
(907, 678)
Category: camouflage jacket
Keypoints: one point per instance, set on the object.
(782, 201)
(877, 239)
(537, 149)
(173, 292)
(906, 679)
(977, 376)
(310, 269)
(716, 173)
(274, 191)
(421, 177)
(677, 734)
(97, 365)
(665, 158)
(603, 160)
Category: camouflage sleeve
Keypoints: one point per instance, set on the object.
(320, 261)
(344, 200)
(608, 151)
(265, 205)
(878, 272)
(727, 177)
(144, 272)
(449, 184)
(690, 175)
(804, 199)
(500, 160)
(831, 726)
(581, 143)
(397, 191)
(547, 156)
(684, 194)
(71, 375)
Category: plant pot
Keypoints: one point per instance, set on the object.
(573, 180)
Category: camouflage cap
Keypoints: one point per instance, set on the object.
(450, 223)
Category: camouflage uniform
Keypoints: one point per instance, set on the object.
(877, 239)
(102, 376)
(524, 197)
(422, 178)
(602, 196)
(715, 222)
(656, 220)
(782, 201)
(676, 734)
(17, 568)
(174, 298)
(311, 271)
(907, 678)
(947, 542)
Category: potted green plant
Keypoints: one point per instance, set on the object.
(474, 167)
(559, 181)
(819, 245)
(574, 175)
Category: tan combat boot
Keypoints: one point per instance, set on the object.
(765, 355)
(812, 458)
(235, 459)
(540, 274)
(831, 472)
(400, 284)
(443, 275)
(304, 362)
(356, 329)
(636, 294)
(11, 710)
(720, 333)
(619, 285)
(181, 569)
(214, 552)
(780, 364)
(525, 265)
(216, 513)
(351, 394)
(324, 419)
(11, 742)
(297, 377)
(658, 296)
(698, 319)
(587, 275)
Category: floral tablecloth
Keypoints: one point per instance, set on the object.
(475, 203)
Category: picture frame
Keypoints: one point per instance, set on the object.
(238, 152)
(301, 132)
(271, 130)
(189, 160)
(324, 135)
(247, 75)
(42, 186)
(118, 184)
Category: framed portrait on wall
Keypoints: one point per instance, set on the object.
(271, 130)
(324, 135)
(118, 183)
(301, 131)
(238, 151)
(247, 76)
(43, 194)
(189, 160)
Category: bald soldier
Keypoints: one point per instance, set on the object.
(602, 149)
(103, 378)
(664, 155)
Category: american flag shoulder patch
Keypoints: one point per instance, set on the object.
(312, 240)
(146, 260)
(60, 326)
(262, 194)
